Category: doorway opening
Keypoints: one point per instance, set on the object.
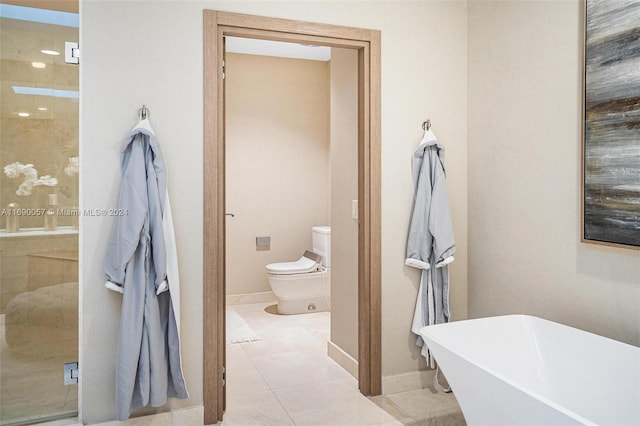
(291, 221)
(217, 26)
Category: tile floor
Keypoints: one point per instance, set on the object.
(286, 378)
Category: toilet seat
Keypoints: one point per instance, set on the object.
(301, 266)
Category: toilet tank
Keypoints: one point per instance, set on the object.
(321, 243)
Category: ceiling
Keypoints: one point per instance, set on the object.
(277, 48)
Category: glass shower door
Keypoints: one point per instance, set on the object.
(39, 215)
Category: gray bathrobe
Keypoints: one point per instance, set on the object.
(430, 243)
(149, 367)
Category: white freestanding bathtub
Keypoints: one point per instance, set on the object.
(523, 370)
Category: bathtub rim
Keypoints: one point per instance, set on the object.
(424, 333)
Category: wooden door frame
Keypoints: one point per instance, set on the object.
(217, 25)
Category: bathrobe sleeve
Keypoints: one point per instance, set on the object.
(156, 193)
(440, 226)
(420, 239)
(125, 234)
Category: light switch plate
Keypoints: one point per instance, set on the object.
(263, 243)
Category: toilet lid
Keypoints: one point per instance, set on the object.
(300, 266)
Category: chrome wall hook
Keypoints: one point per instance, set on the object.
(144, 112)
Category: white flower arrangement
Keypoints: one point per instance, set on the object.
(32, 180)
(72, 167)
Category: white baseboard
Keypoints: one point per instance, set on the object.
(343, 359)
(249, 298)
(407, 381)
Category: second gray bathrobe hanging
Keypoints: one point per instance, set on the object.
(430, 243)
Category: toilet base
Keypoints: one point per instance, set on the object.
(302, 293)
(307, 305)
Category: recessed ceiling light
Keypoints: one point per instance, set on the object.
(39, 65)
(23, 114)
(42, 108)
(50, 52)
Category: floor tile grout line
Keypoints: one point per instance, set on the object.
(271, 389)
(283, 388)
(278, 391)
(257, 370)
(391, 402)
(283, 407)
(260, 373)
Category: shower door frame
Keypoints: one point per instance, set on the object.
(217, 25)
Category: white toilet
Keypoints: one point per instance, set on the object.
(304, 286)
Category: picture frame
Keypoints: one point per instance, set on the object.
(611, 131)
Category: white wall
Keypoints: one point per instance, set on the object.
(130, 58)
(525, 123)
(524, 78)
(136, 52)
(424, 62)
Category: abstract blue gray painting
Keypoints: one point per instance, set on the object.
(612, 122)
